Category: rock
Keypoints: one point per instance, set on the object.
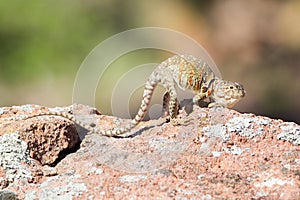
(220, 154)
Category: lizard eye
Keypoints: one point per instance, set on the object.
(204, 89)
(231, 87)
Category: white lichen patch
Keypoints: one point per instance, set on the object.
(272, 182)
(218, 130)
(132, 178)
(246, 126)
(235, 150)
(14, 152)
(289, 132)
(3, 110)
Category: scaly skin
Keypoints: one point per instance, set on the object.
(188, 73)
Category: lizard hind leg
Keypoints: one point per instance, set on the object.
(165, 107)
(173, 110)
(166, 100)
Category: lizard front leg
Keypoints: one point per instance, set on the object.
(203, 94)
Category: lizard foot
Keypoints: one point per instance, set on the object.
(176, 122)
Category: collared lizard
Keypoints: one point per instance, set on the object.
(188, 73)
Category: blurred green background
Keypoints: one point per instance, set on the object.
(257, 43)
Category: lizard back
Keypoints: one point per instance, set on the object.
(189, 72)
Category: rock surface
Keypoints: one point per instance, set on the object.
(220, 154)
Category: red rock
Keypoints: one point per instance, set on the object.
(221, 154)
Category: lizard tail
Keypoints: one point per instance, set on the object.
(149, 88)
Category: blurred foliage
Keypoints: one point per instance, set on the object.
(41, 36)
(42, 44)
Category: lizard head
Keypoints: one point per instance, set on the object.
(226, 93)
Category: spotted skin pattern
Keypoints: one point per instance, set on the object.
(188, 73)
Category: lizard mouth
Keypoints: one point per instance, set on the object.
(233, 102)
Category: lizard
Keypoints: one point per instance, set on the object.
(188, 73)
